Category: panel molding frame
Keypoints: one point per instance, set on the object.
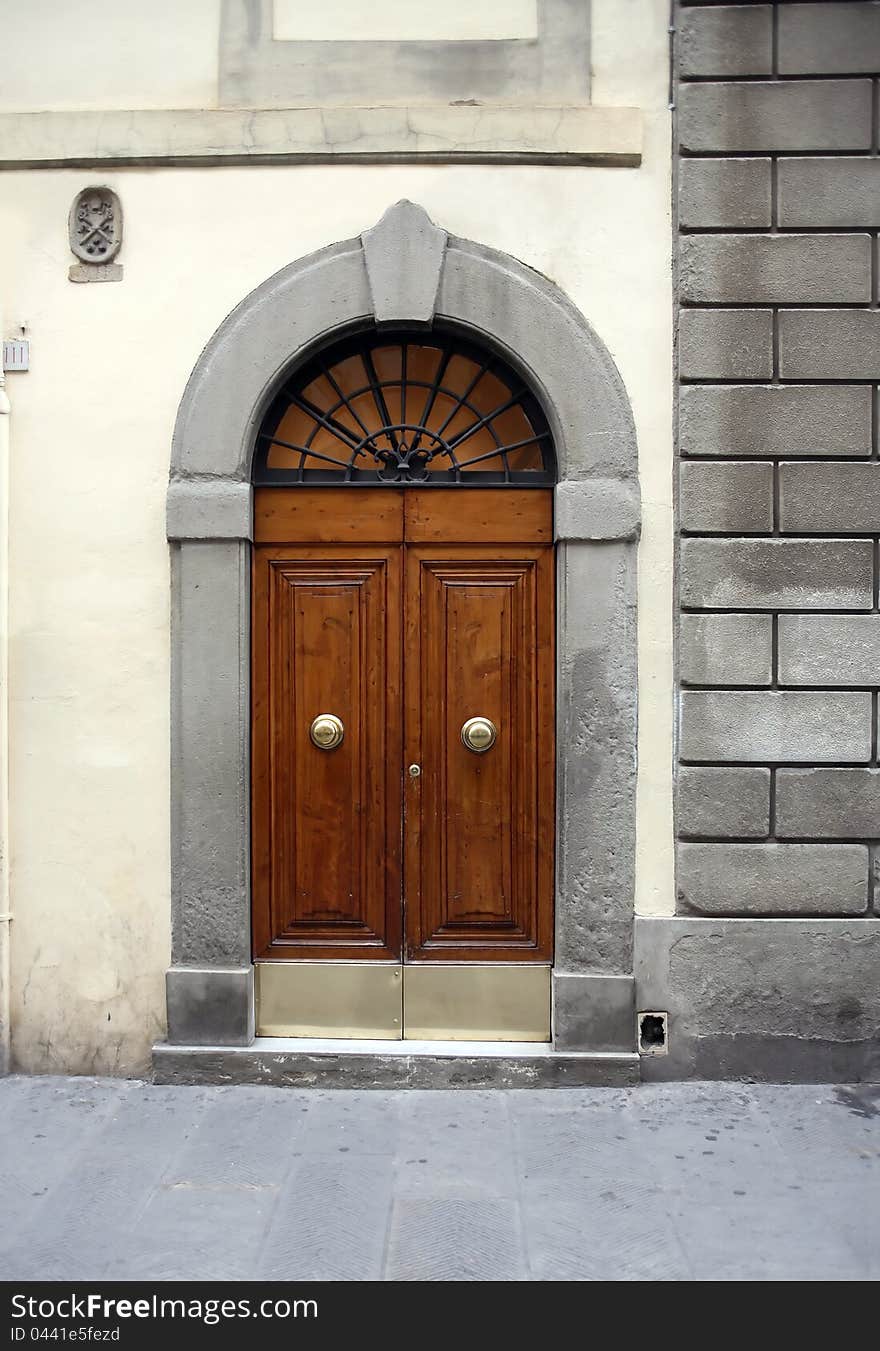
(259, 70)
(436, 573)
(371, 576)
(535, 327)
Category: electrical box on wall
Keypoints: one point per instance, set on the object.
(16, 354)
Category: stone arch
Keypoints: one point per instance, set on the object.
(405, 270)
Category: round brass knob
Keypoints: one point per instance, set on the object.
(478, 734)
(327, 731)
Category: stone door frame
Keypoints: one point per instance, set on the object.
(403, 271)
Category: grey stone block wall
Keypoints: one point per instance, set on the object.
(759, 117)
(829, 344)
(725, 649)
(806, 879)
(777, 117)
(761, 419)
(726, 344)
(733, 801)
(835, 38)
(770, 269)
(726, 496)
(725, 193)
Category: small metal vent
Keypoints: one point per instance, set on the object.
(16, 354)
(405, 408)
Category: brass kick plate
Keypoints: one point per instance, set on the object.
(383, 1001)
(329, 999)
(472, 1002)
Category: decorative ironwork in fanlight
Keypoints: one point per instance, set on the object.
(405, 408)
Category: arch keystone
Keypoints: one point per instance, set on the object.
(404, 256)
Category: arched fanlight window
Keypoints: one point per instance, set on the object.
(402, 408)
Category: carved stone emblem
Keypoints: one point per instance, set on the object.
(96, 225)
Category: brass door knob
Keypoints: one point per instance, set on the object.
(327, 731)
(479, 734)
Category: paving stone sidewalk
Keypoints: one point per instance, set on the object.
(118, 1180)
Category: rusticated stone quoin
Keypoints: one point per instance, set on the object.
(775, 116)
(723, 801)
(773, 879)
(727, 40)
(836, 38)
(733, 194)
(777, 574)
(801, 726)
(820, 420)
(829, 650)
(829, 192)
(829, 344)
(827, 803)
(775, 269)
(729, 497)
(725, 344)
(725, 649)
(829, 499)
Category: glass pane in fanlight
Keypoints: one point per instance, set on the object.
(378, 400)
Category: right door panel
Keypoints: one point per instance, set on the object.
(479, 826)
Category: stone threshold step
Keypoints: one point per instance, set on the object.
(320, 1063)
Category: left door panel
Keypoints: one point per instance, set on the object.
(327, 822)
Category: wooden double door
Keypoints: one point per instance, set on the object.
(403, 725)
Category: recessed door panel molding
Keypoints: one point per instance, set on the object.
(479, 827)
(327, 808)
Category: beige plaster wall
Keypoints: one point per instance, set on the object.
(91, 428)
(57, 54)
(631, 67)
